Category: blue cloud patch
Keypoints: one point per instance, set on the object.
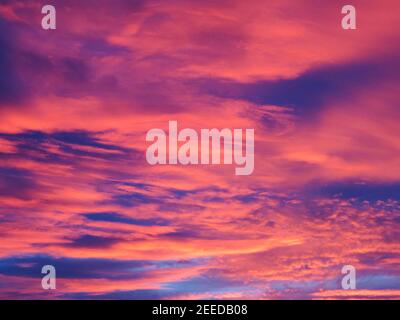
(310, 91)
(116, 217)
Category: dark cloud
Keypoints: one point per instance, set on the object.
(85, 268)
(31, 266)
(116, 217)
(310, 91)
(17, 183)
(93, 242)
(83, 138)
(374, 280)
(358, 190)
(375, 258)
(35, 143)
(75, 70)
(96, 46)
(134, 199)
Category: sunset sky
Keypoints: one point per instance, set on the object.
(76, 191)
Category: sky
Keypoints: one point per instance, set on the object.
(77, 193)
